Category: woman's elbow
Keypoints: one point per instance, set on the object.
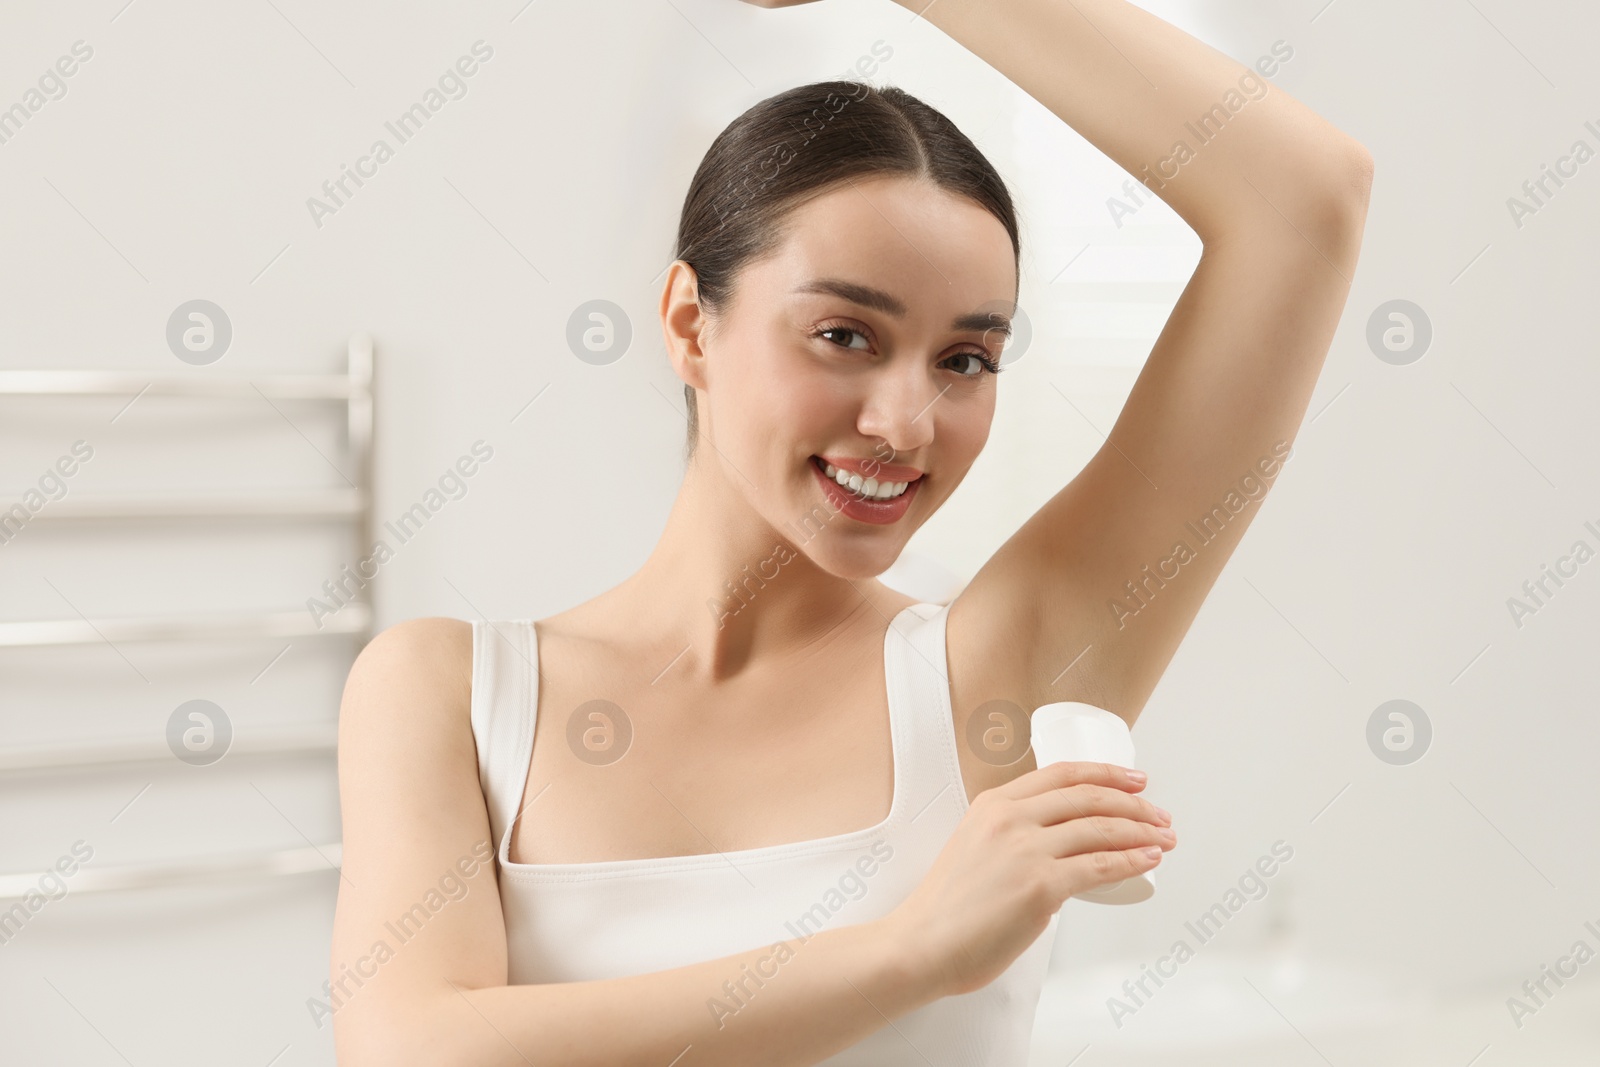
(392, 1036)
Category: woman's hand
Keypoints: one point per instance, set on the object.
(1019, 852)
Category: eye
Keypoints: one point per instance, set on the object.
(839, 327)
(985, 363)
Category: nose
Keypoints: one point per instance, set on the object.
(901, 408)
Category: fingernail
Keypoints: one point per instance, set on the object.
(1138, 776)
(1153, 852)
(1164, 813)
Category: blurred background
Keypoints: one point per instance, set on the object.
(288, 370)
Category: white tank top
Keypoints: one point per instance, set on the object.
(571, 922)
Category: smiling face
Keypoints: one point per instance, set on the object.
(865, 341)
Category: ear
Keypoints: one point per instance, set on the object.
(683, 322)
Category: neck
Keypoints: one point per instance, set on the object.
(726, 590)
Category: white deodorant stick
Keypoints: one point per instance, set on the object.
(1072, 732)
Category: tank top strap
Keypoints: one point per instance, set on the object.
(916, 668)
(503, 670)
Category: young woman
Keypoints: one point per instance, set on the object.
(728, 811)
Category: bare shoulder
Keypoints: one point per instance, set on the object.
(433, 651)
(412, 683)
(431, 636)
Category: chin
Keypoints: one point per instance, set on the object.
(857, 565)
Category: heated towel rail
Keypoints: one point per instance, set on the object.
(354, 390)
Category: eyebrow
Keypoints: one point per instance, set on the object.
(878, 300)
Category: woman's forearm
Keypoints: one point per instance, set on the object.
(1140, 89)
(833, 990)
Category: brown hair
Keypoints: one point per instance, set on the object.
(799, 143)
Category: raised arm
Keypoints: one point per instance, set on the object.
(1108, 575)
(416, 834)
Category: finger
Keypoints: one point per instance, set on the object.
(1060, 775)
(1077, 801)
(1090, 870)
(1101, 833)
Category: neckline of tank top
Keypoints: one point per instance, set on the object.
(850, 839)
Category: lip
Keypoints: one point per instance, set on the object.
(871, 468)
(877, 512)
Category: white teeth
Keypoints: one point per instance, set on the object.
(864, 486)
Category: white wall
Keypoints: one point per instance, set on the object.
(178, 166)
